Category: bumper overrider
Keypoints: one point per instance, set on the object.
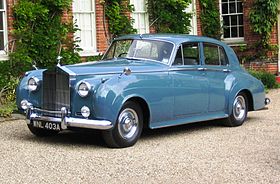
(65, 121)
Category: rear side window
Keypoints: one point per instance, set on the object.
(214, 55)
(187, 54)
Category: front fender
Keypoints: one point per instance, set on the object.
(154, 88)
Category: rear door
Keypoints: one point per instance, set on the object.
(216, 68)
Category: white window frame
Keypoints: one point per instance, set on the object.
(3, 53)
(192, 6)
(92, 50)
(138, 14)
(238, 40)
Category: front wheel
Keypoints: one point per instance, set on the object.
(128, 127)
(239, 111)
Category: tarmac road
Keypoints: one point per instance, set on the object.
(198, 153)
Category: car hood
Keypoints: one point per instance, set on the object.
(113, 67)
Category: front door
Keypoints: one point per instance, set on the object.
(190, 84)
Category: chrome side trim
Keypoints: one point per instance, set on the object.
(183, 69)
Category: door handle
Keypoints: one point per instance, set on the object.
(226, 70)
(201, 69)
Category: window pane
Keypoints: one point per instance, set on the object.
(211, 54)
(233, 20)
(191, 54)
(241, 31)
(226, 32)
(1, 41)
(226, 20)
(223, 1)
(234, 32)
(1, 21)
(232, 8)
(239, 7)
(1, 4)
(240, 19)
(225, 8)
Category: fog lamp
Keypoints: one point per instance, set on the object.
(85, 111)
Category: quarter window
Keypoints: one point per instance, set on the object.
(84, 16)
(140, 16)
(214, 55)
(3, 27)
(232, 16)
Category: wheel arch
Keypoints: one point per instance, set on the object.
(249, 99)
(145, 109)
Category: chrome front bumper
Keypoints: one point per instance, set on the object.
(34, 114)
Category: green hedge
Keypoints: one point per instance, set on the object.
(267, 79)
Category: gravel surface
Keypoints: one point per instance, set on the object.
(199, 153)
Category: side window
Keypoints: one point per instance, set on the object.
(187, 54)
(191, 53)
(214, 55)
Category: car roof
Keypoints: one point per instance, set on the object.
(174, 38)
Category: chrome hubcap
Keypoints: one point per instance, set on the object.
(239, 108)
(128, 123)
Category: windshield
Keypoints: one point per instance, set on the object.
(140, 49)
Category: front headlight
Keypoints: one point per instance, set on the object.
(33, 83)
(84, 89)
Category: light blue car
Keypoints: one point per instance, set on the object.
(149, 81)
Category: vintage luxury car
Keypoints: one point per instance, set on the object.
(149, 81)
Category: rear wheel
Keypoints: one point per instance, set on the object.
(41, 132)
(128, 127)
(239, 111)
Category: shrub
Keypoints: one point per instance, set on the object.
(168, 16)
(267, 79)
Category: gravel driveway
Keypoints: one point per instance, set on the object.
(198, 153)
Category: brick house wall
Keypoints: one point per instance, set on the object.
(102, 41)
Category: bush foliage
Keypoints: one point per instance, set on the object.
(210, 19)
(169, 16)
(267, 79)
(119, 23)
(40, 36)
(40, 33)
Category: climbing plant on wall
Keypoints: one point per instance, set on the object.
(210, 19)
(169, 16)
(263, 17)
(117, 13)
(40, 33)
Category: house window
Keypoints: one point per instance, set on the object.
(232, 16)
(84, 17)
(140, 16)
(192, 10)
(3, 28)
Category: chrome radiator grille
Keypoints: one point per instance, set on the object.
(56, 90)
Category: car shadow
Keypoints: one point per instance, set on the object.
(87, 137)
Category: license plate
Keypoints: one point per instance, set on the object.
(47, 125)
